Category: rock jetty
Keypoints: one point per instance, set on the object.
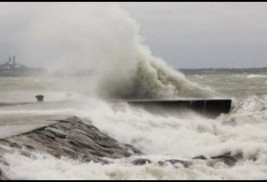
(79, 140)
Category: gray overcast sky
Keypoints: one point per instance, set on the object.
(183, 34)
(204, 34)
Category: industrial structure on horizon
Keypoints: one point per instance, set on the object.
(10, 65)
(11, 68)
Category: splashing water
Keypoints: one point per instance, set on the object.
(127, 69)
(148, 77)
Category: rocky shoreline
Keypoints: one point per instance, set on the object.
(79, 140)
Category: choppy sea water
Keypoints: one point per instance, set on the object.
(167, 136)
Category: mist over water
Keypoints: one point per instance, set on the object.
(103, 37)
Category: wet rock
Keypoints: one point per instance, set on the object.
(71, 138)
(201, 157)
(161, 163)
(49, 134)
(176, 161)
(253, 157)
(2, 176)
(238, 155)
(56, 132)
(227, 158)
(133, 149)
(15, 145)
(3, 162)
(2, 150)
(141, 161)
(25, 153)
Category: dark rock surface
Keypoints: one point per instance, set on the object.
(70, 138)
(226, 158)
(174, 162)
(141, 161)
(202, 157)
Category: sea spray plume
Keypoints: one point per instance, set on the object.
(154, 79)
(95, 35)
(89, 35)
(149, 78)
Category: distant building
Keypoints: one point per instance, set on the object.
(8, 66)
(11, 68)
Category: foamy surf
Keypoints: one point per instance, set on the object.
(47, 167)
(256, 76)
(180, 136)
(180, 145)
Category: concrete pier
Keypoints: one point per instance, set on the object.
(207, 107)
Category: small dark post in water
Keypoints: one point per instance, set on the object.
(40, 98)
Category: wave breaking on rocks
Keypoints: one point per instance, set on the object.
(76, 139)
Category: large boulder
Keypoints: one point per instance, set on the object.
(72, 138)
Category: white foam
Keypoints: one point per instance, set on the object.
(47, 167)
(256, 76)
(181, 135)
